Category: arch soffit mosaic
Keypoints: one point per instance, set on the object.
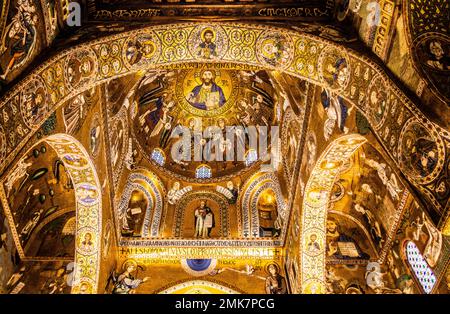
(315, 210)
(88, 194)
(248, 200)
(153, 188)
(240, 46)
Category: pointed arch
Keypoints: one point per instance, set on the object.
(303, 55)
(153, 188)
(315, 209)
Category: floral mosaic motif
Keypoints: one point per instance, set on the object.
(242, 42)
(109, 58)
(54, 78)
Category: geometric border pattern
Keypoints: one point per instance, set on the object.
(315, 210)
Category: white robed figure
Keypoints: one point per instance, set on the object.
(198, 222)
(390, 183)
(204, 221)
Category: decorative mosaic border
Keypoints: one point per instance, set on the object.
(303, 55)
(315, 210)
(88, 212)
(152, 223)
(240, 243)
(190, 283)
(248, 203)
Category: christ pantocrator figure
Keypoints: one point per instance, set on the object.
(208, 95)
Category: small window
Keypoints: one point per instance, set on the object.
(203, 172)
(422, 271)
(251, 157)
(158, 156)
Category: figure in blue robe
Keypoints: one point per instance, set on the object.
(339, 110)
(207, 49)
(209, 90)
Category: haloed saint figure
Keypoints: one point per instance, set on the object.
(207, 48)
(208, 95)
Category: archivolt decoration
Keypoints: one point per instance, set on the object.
(248, 201)
(302, 55)
(315, 209)
(88, 194)
(237, 45)
(80, 68)
(199, 287)
(153, 188)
